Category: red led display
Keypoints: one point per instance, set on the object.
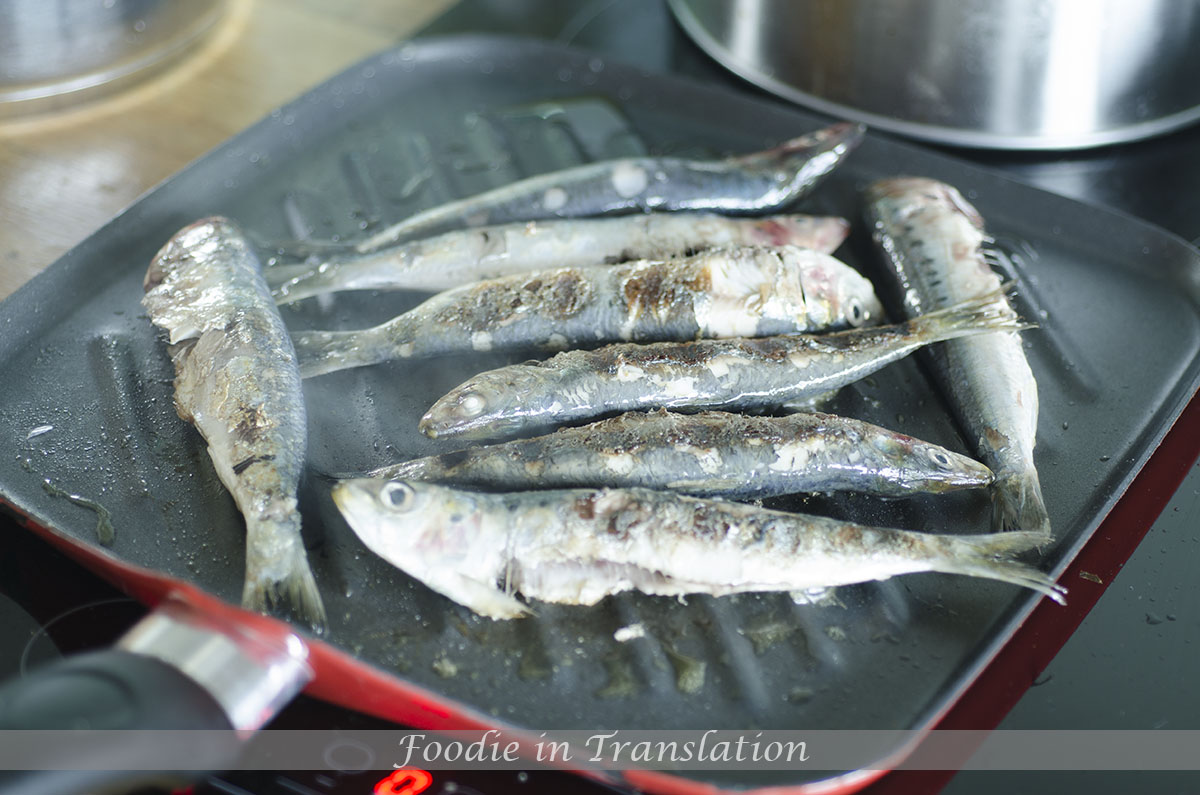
(405, 781)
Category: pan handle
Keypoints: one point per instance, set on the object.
(174, 670)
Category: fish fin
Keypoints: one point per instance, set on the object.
(293, 591)
(484, 598)
(989, 556)
(988, 312)
(1017, 504)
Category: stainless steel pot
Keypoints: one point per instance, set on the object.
(1006, 74)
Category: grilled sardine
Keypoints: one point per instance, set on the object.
(577, 546)
(237, 381)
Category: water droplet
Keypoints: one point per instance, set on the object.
(565, 75)
(38, 431)
(139, 26)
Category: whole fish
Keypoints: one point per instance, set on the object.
(711, 454)
(237, 381)
(932, 238)
(467, 255)
(576, 546)
(759, 182)
(717, 293)
(738, 373)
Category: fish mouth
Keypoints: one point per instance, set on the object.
(839, 137)
(342, 496)
(431, 426)
(842, 134)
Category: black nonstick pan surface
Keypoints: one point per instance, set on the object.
(93, 441)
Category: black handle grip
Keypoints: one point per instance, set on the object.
(110, 690)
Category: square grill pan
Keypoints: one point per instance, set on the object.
(1115, 356)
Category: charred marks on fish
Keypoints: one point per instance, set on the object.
(652, 292)
(558, 294)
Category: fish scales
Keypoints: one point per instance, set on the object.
(736, 373)
(932, 241)
(576, 546)
(717, 293)
(454, 258)
(753, 183)
(710, 453)
(237, 381)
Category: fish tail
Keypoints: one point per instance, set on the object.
(280, 580)
(290, 251)
(988, 312)
(427, 468)
(321, 352)
(1017, 504)
(291, 283)
(990, 556)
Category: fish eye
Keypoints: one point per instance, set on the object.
(397, 495)
(855, 312)
(942, 459)
(471, 404)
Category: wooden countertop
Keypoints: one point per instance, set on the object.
(64, 174)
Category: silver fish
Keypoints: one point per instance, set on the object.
(455, 258)
(738, 373)
(710, 454)
(931, 238)
(237, 381)
(576, 546)
(717, 293)
(758, 182)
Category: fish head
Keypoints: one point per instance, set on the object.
(496, 403)
(925, 467)
(836, 296)
(899, 198)
(415, 526)
(796, 165)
